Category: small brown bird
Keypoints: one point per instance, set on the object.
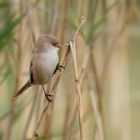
(45, 61)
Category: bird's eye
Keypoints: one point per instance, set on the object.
(55, 43)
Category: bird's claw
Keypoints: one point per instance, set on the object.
(59, 67)
(49, 97)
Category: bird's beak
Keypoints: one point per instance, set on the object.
(59, 46)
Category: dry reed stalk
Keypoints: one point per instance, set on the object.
(54, 16)
(35, 133)
(64, 21)
(113, 46)
(73, 117)
(94, 103)
(29, 9)
(123, 19)
(79, 5)
(99, 96)
(8, 133)
(118, 85)
(99, 91)
(51, 89)
(77, 82)
(81, 80)
(84, 65)
(69, 102)
(71, 121)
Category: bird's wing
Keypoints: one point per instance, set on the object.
(27, 84)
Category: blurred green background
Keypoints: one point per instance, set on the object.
(112, 33)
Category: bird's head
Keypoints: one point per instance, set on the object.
(46, 42)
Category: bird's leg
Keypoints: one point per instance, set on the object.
(59, 67)
(48, 96)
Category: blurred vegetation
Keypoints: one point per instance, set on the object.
(110, 86)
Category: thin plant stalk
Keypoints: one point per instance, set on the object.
(77, 82)
(29, 8)
(54, 16)
(113, 46)
(64, 22)
(81, 77)
(98, 90)
(94, 103)
(78, 92)
(71, 121)
(8, 133)
(68, 106)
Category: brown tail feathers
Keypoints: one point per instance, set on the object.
(26, 86)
